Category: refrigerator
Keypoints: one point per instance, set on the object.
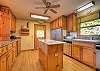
(57, 34)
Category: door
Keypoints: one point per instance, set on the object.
(39, 33)
(76, 52)
(3, 63)
(89, 56)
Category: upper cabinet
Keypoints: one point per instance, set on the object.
(9, 18)
(13, 24)
(72, 23)
(59, 23)
(7, 23)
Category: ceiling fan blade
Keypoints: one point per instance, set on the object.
(40, 7)
(55, 6)
(45, 2)
(46, 10)
(53, 11)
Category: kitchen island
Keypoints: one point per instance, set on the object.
(51, 55)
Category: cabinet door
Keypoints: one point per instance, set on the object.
(89, 56)
(60, 57)
(9, 59)
(76, 51)
(1, 22)
(52, 58)
(57, 23)
(69, 23)
(60, 22)
(3, 63)
(74, 23)
(14, 51)
(13, 23)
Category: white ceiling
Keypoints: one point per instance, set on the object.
(22, 8)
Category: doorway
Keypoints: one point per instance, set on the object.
(39, 33)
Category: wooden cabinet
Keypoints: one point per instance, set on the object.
(59, 23)
(51, 56)
(76, 52)
(9, 56)
(18, 45)
(9, 59)
(89, 55)
(3, 62)
(84, 52)
(72, 22)
(13, 24)
(14, 50)
(7, 23)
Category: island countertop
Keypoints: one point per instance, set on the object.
(51, 42)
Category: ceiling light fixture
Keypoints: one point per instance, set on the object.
(39, 16)
(90, 4)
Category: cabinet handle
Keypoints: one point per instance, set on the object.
(3, 61)
(56, 54)
(57, 65)
(94, 52)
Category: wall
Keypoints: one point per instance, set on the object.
(27, 42)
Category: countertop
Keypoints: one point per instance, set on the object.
(85, 40)
(51, 42)
(6, 42)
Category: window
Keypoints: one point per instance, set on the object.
(90, 28)
(40, 33)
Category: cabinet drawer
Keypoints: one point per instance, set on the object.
(3, 50)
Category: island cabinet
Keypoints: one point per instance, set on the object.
(51, 56)
(85, 52)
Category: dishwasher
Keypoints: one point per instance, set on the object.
(67, 48)
(98, 57)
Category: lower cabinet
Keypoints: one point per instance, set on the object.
(9, 59)
(3, 62)
(8, 56)
(84, 52)
(76, 53)
(89, 56)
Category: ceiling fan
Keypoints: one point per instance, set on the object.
(49, 6)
